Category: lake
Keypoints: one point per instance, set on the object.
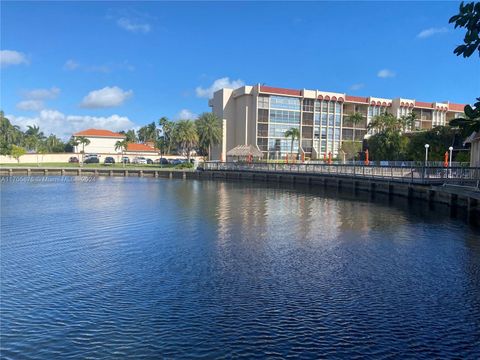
(156, 268)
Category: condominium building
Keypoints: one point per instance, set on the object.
(260, 115)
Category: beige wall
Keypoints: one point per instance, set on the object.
(99, 145)
(475, 153)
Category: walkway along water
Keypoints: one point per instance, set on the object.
(457, 187)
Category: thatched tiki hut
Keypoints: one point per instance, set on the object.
(245, 153)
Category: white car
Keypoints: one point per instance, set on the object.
(139, 160)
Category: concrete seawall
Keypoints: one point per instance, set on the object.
(455, 197)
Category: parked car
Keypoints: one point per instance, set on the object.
(125, 160)
(161, 161)
(149, 161)
(92, 160)
(139, 160)
(109, 160)
(73, 159)
(176, 161)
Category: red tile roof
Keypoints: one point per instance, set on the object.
(99, 133)
(360, 99)
(423, 104)
(456, 107)
(140, 148)
(274, 90)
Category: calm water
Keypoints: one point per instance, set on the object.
(148, 268)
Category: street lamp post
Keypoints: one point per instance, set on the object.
(426, 160)
(426, 154)
(450, 158)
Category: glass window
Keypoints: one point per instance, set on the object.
(318, 105)
(338, 108)
(338, 120)
(283, 102)
(324, 119)
(262, 115)
(263, 102)
(308, 105)
(330, 120)
(324, 106)
(285, 116)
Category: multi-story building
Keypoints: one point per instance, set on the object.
(260, 115)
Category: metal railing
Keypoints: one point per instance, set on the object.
(409, 174)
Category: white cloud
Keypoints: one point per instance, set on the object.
(134, 26)
(71, 65)
(30, 105)
(430, 32)
(186, 114)
(55, 122)
(217, 85)
(357, 86)
(12, 57)
(42, 94)
(385, 73)
(106, 97)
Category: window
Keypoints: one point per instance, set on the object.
(318, 106)
(324, 119)
(338, 108)
(347, 134)
(324, 133)
(263, 102)
(324, 106)
(283, 102)
(307, 132)
(330, 120)
(285, 116)
(308, 105)
(262, 115)
(262, 130)
(307, 118)
(338, 120)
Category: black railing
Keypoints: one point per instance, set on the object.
(409, 174)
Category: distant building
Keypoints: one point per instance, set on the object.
(260, 115)
(101, 141)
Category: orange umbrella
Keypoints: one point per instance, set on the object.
(445, 159)
(325, 157)
(367, 162)
(329, 157)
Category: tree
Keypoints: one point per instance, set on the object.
(185, 135)
(9, 135)
(292, 133)
(440, 138)
(123, 146)
(82, 140)
(209, 131)
(387, 145)
(471, 121)
(54, 144)
(17, 152)
(468, 18)
(148, 133)
(351, 149)
(33, 137)
(130, 135)
(385, 122)
(167, 132)
(408, 122)
(355, 118)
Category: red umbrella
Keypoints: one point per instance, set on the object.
(329, 157)
(367, 162)
(445, 159)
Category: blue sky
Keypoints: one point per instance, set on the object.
(72, 65)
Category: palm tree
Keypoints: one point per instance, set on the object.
(471, 121)
(185, 134)
(209, 131)
(385, 123)
(408, 121)
(123, 146)
(34, 137)
(293, 133)
(83, 141)
(356, 118)
(167, 131)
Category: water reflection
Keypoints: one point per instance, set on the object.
(132, 267)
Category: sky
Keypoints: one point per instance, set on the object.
(69, 66)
